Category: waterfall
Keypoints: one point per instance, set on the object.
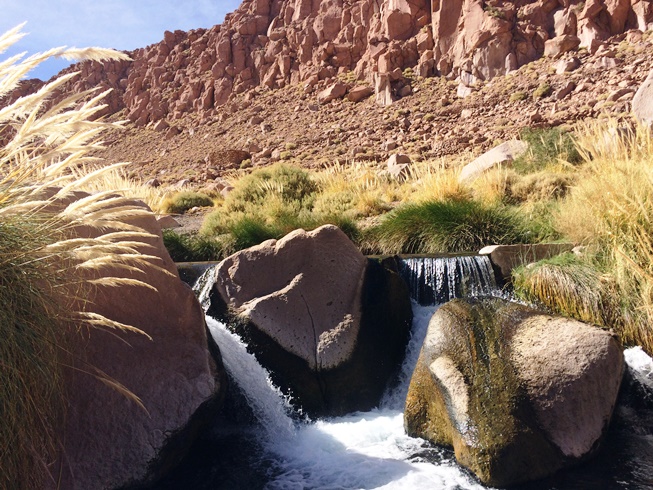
(436, 280)
(357, 451)
(370, 450)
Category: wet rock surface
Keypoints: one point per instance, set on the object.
(518, 394)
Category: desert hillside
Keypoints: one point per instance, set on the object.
(316, 82)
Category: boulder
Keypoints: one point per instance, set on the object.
(559, 45)
(504, 153)
(397, 165)
(517, 393)
(359, 93)
(330, 325)
(108, 440)
(505, 258)
(643, 102)
(335, 91)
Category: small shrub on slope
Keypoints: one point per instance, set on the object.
(183, 201)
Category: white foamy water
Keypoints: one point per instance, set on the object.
(640, 365)
(359, 451)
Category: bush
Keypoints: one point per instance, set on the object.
(544, 90)
(286, 182)
(185, 200)
(517, 96)
(545, 147)
(446, 226)
(192, 248)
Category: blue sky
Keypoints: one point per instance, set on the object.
(119, 24)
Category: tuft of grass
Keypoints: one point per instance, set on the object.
(546, 147)
(542, 91)
(518, 96)
(446, 226)
(572, 287)
(192, 248)
(183, 201)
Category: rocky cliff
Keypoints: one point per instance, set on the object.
(273, 43)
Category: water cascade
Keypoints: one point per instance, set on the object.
(371, 450)
(436, 280)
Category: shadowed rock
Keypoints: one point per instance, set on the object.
(107, 440)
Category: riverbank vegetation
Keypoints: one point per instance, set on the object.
(591, 185)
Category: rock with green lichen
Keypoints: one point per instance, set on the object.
(517, 393)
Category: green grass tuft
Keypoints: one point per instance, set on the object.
(546, 147)
(456, 225)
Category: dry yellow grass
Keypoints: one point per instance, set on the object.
(611, 209)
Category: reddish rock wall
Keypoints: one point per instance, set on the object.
(273, 43)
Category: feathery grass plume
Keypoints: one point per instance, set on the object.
(44, 144)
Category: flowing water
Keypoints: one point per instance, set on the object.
(436, 280)
(284, 451)
(360, 450)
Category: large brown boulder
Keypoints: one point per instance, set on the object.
(108, 440)
(329, 324)
(517, 393)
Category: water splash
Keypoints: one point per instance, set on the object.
(436, 280)
(271, 408)
(204, 284)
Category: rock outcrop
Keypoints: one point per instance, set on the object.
(330, 325)
(108, 440)
(518, 393)
(273, 43)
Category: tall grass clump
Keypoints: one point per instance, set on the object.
(192, 247)
(570, 286)
(610, 209)
(41, 259)
(455, 225)
(546, 147)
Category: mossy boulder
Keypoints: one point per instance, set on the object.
(330, 325)
(517, 393)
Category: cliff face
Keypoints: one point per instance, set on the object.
(274, 43)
